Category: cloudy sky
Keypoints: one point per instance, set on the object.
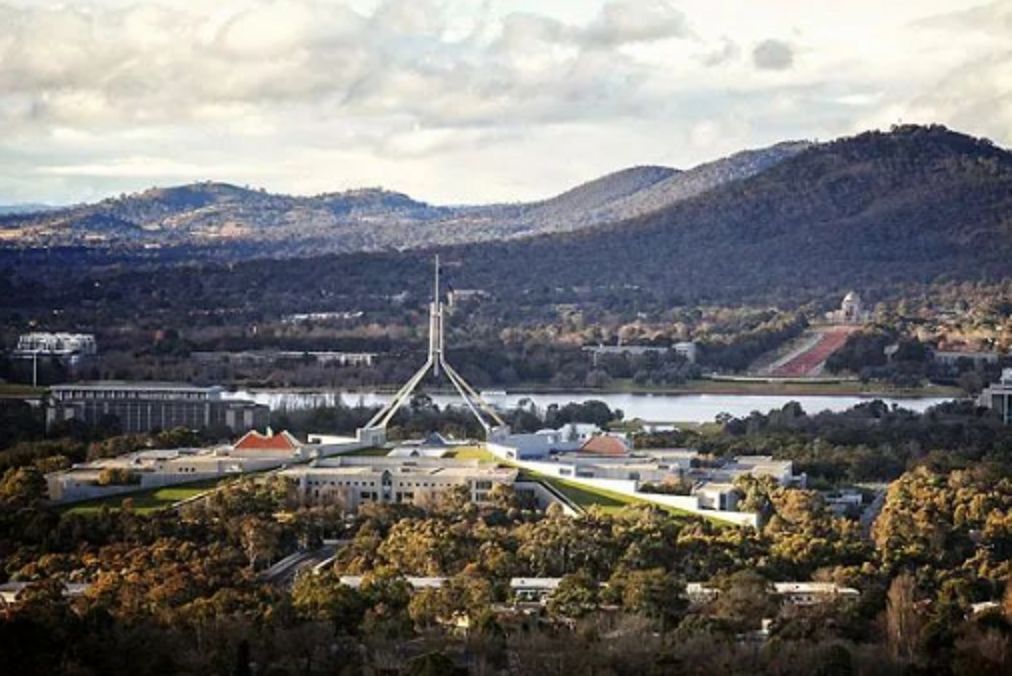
(467, 100)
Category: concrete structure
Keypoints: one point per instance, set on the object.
(457, 297)
(304, 317)
(953, 357)
(46, 344)
(851, 310)
(998, 397)
(433, 446)
(147, 406)
(416, 583)
(793, 593)
(271, 356)
(545, 442)
(713, 493)
(437, 364)
(685, 349)
(533, 589)
(353, 480)
(152, 469)
(11, 592)
(540, 589)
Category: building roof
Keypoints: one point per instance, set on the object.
(134, 385)
(254, 441)
(605, 445)
(355, 581)
(546, 583)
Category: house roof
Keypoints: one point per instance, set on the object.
(605, 445)
(254, 441)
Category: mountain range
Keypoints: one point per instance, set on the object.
(875, 211)
(225, 216)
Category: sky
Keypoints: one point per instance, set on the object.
(467, 101)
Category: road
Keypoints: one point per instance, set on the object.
(284, 572)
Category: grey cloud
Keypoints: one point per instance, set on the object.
(624, 21)
(728, 51)
(773, 55)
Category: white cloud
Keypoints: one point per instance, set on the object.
(458, 100)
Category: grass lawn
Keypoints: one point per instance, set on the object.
(148, 501)
(472, 453)
(608, 501)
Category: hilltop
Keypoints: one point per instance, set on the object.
(237, 222)
(879, 211)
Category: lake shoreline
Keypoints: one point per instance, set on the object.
(715, 387)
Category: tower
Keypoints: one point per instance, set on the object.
(437, 363)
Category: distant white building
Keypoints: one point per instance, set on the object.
(686, 349)
(456, 297)
(998, 397)
(64, 345)
(953, 357)
(851, 310)
(793, 593)
(11, 592)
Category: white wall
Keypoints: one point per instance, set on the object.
(688, 503)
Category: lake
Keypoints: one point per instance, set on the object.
(651, 407)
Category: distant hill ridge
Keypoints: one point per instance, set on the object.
(875, 211)
(220, 214)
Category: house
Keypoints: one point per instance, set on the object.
(533, 589)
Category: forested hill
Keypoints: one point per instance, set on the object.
(912, 205)
(878, 211)
(237, 222)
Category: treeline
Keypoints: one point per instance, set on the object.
(179, 593)
(869, 442)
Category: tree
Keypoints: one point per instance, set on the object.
(576, 595)
(259, 539)
(903, 623)
(322, 597)
(653, 593)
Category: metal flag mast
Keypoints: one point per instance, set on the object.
(437, 363)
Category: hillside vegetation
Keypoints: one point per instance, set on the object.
(234, 222)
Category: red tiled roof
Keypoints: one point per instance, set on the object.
(605, 445)
(254, 441)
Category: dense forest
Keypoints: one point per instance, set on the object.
(181, 591)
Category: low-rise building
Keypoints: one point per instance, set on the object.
(793, 593)
(45, 344)
(353, 480)
(954, 357)
(533, 589)
(154, 468)
(145, 406)
(12, 592)
(998, 397)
